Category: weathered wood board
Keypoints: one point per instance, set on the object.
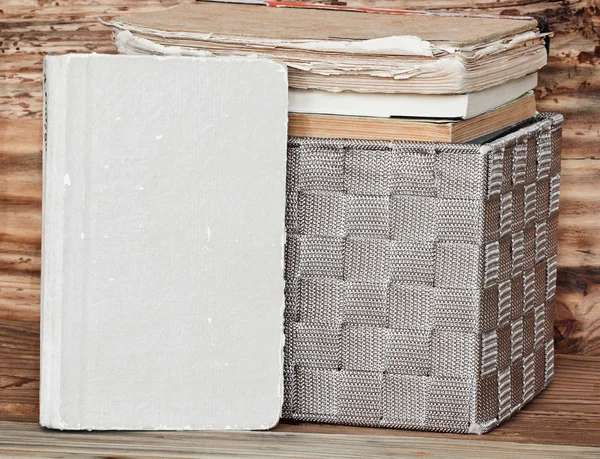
(29, 29)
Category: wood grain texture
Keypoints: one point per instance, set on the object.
(30, 439)
(570, 84)
(563, 421)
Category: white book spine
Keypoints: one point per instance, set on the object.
(52, 247)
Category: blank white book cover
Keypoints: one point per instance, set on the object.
(162, 247)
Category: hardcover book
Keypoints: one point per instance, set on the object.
(336, 49)
(162, 251)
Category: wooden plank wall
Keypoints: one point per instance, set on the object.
(29, 29)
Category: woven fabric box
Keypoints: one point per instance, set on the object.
(420, 279)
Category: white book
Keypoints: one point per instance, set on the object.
(409, 105)
(162, 252)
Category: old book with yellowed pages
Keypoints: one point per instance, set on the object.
(425, 130)
(410, 105)
(374, 51)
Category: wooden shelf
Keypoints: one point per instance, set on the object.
(563, 421)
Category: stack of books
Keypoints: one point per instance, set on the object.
(362, 73)
(194, 277)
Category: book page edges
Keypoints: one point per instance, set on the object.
(396, 45)
(325, 71)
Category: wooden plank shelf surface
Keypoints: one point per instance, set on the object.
(562, 422)
(25, 439)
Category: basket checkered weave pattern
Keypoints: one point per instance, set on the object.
(420, 279)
